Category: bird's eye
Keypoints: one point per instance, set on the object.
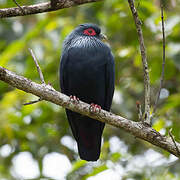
(89, 32)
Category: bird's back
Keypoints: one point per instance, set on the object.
(85, 75)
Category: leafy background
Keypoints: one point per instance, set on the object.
(37, 132)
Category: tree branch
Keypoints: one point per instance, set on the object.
(163, 60)
(138, 129)
(170, 134)
(41, 7)
(144, 61)
(37, 66)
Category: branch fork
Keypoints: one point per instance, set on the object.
(40, 75)
(144, 62)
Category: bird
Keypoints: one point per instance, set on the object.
(87, 73)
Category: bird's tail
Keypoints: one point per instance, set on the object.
(89, 145)
(88, 133)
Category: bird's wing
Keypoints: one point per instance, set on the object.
(64, 89)
(110, 80)
(63, 61)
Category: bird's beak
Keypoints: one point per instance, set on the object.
(103, 37)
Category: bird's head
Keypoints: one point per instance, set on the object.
(91, 30)
(85, 35)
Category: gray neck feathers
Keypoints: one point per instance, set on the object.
(82, 42)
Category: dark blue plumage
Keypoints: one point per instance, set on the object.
(87, 71)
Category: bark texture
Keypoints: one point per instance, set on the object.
(41, 7)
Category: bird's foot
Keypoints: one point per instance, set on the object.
(94, 108)
(74, 99)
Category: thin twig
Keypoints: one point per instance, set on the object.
(138, 105)
(22, 10)
(32, 102)
(37, 66)
(170, 134)
(144, 62)
(40, 75)
(164, 59)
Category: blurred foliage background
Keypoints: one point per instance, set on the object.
(41, 129)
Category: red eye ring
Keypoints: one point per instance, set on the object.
(89, 32)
